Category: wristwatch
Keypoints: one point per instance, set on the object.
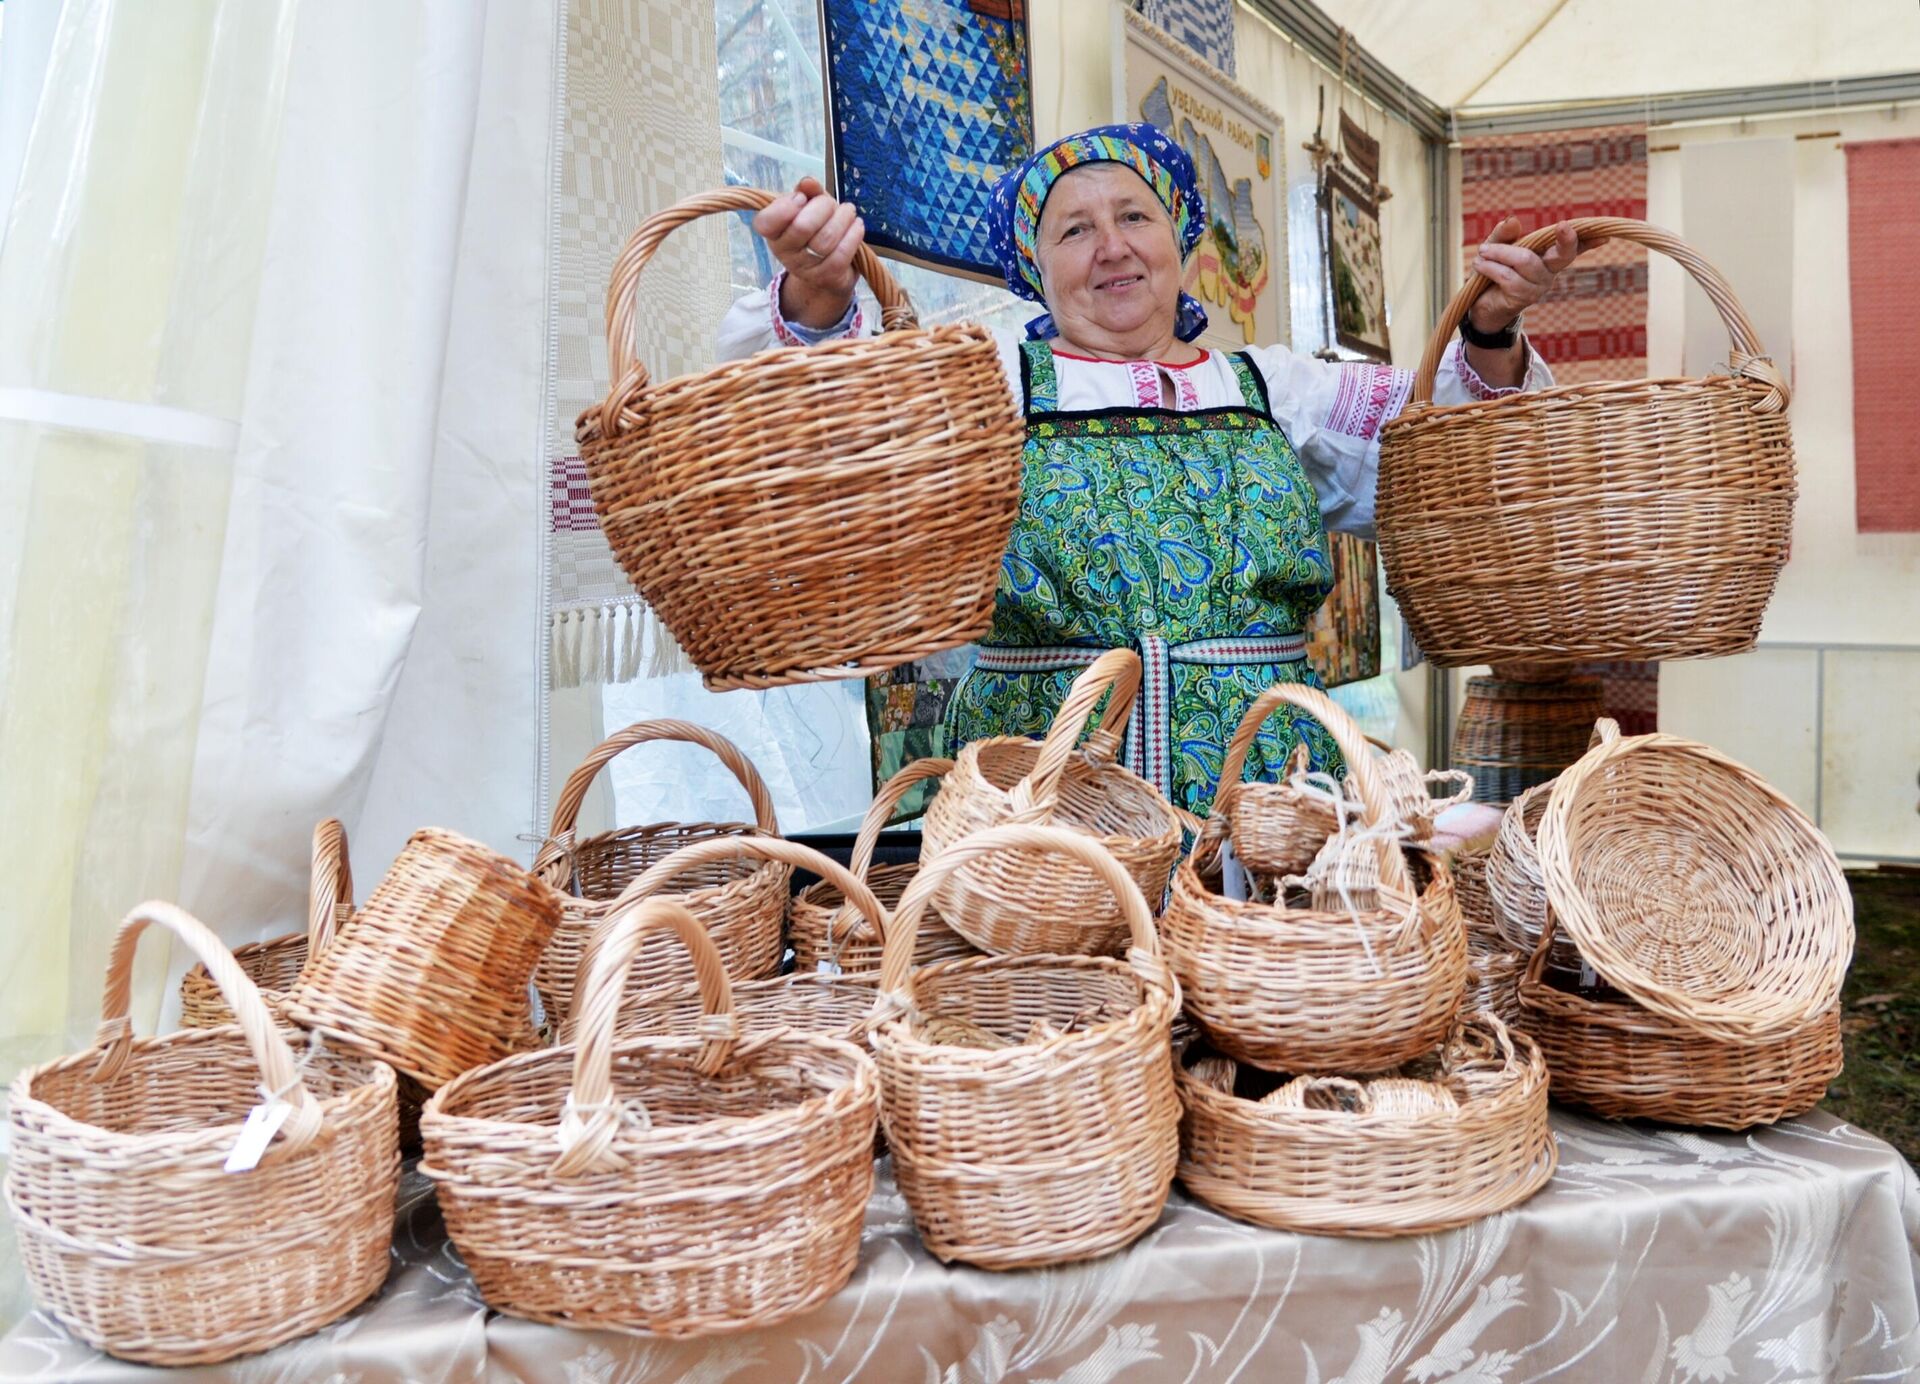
(1489, 341)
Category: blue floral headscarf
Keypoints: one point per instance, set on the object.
(1021, 194)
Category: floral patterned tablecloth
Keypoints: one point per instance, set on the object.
(1785, 1254)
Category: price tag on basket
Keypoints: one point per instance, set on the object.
(263, 1122)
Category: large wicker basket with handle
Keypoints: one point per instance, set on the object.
(1390, 1156)
(1696, 888)
(807, 514)
(131, 1229)
(1016, 900)
(1029, 1100)
(1331, 985)
(676, 1185)
(1617, 519)
(828, 933)
(740, 898)
(273, 965)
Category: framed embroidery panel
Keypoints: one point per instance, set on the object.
(1239, 268)
(928, 103)
(1356, 268)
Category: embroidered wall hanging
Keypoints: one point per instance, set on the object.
(1883, 266)
(928, 102)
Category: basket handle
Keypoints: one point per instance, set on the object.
(554, 862)
(1036, 795)
(884, 802)
(592, 1117)
(1606, 730)
(897, 958)
(1376, 804)
(628, 376)
(330, 886)
(1747, 356)
(852, 888)
(279, 1076)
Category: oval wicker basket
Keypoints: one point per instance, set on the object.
(807, 514)
(1392, 1156)
(1642, 519)
(809, 1003)
(680, 1186)
(273, 965)
(1696, 888)
(1514, 733)
(1029, 1100)
(741, 900)
(1014, 901)
(1517, 888)
(131, 1231)
(1319, 989)
(822, 927)
(1279, 827)
(432, 974)
(1628, 1063)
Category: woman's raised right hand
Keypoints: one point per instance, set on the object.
(814, 238)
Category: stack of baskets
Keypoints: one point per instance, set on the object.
(1715, 929)
(1341, 1087)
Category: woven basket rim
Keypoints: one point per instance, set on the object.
(1415, 413)
(825, 1102)
(966, 778)
(1250, 915)
(374, 1075)
(1152, 998)
(576, 910)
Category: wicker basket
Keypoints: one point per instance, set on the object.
(739, 899)
(1625, 1062)
(1493, 979)
(1696, 888)
(1643, 519)
(809, 1003)
(1320, 989)
(826, 933)
(1392, 1156)
(1029, 1100)
(130, 1230)
(1016, 901)
(681, 1186)
(1514, 733)
(275, 964)
(1278, 828)
(432, 974)
(1470, 892)
(1518, 889)
(807, 514)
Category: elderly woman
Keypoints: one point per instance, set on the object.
(1176, 499)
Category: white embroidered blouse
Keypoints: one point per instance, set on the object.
(1331, 411)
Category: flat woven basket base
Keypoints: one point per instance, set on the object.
(1370, 1176)
(133, 1236)
(817, 931)
(803, 515)
(272, 966)
(1018, 901)
(741, 901)
(741, 1203)
(1644, 519)
(1039, 1153)
(1304, 991)
(1626, 1063)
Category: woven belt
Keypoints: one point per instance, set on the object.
(1149, 732)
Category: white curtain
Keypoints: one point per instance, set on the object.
(272, 304)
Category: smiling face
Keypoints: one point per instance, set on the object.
(1109, 263)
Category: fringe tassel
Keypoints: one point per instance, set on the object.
(619, 641)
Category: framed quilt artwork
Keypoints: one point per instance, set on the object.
(1239, 269)
(928, 102)
(1356, 269)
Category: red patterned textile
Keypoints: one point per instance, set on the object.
(1883, 261)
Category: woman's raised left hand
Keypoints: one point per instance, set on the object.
(1520, 278)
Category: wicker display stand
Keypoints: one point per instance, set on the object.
(1391, 1156)
(740, 900)
(132, 1232)
(680, 1186)
(1642, 519)
(1029, 1100)
(807, 514)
